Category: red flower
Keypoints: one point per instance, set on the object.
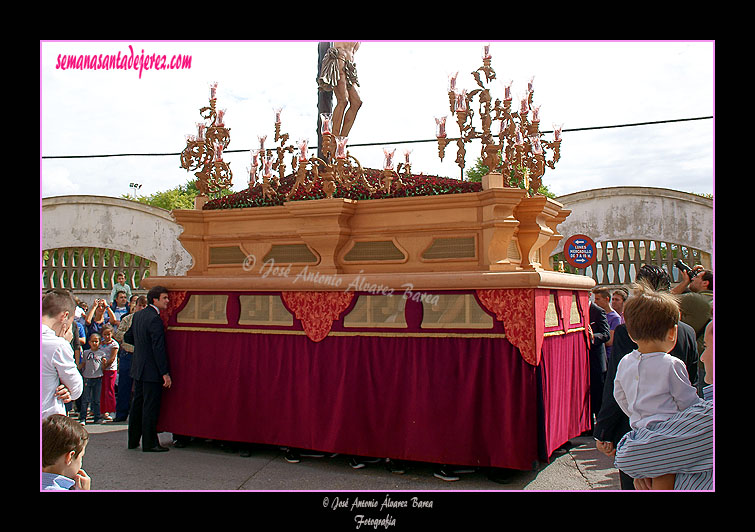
(416, 185)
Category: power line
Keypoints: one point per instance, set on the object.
(592, 128)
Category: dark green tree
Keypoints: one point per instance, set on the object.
(476, 172)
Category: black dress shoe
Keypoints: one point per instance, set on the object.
(156, 449)
(178, 444)
(501, 475)
(133, 445)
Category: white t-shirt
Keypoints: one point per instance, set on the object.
(106, 347)
(652, 387)
(58, 367)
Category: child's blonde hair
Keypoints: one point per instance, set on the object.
(650, 314)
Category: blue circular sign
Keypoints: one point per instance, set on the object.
(580, 251)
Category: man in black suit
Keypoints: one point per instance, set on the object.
(149, 371)
(600, 333)
(612, 423)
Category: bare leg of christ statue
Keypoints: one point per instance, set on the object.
(339, 75)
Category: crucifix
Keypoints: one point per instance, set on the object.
(337, 75)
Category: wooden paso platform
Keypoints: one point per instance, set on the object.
(421, 329)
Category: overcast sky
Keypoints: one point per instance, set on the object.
(403, 86)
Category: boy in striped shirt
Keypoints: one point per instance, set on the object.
(676, 453)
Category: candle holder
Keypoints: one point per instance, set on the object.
(390, 175)
(281, 150)
(336, 168)
(519, 151)
(204, 153)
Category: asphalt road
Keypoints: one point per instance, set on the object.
(206, 485)
(207, 466)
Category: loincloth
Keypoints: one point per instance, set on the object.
(330, 73)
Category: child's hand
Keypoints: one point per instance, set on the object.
(83, 482)
(68, 335)
(62, 393)
(605, 447)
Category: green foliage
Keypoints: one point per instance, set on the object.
(479, 170)
(475, 173)
(180, 197)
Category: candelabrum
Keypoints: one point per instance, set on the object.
(264, 165)
(336, 168)
(204, 151)
(391, 175)
(518, 152)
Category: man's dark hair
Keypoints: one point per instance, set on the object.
(154, 293)
(656, 277)
(707, 275)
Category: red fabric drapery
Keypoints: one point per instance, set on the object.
(447, 400)
(176, 299)
(564, 371)
(317, 310)
(522, 312)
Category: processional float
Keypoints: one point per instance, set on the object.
(366, 311)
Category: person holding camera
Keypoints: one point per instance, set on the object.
(695, 293)
(97, 317)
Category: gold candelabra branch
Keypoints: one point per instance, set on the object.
(281, 150)
(204, 151)
(519, 151)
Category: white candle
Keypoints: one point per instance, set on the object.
(388, 161)
(452, 82)
(536, 148)
(461, 101)
(525, 106)
(440, 127)
(326, 119)
(302, 149)
(341, 147)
